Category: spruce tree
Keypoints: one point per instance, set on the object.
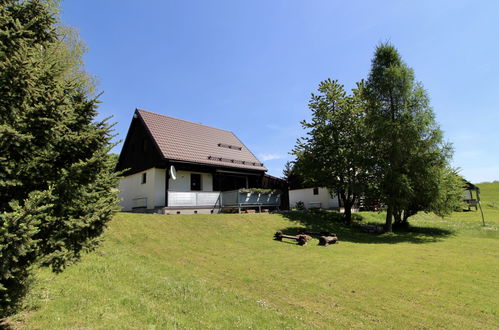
(57, 185)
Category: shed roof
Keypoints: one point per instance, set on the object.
(186, 141)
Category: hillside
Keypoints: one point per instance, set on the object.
(225, 271)
(489, 191)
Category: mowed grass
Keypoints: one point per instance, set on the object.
(489, 193)
(225, 271)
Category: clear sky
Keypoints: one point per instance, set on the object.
(249, 66)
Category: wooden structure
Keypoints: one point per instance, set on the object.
(301, 239)
(326, 240)
(249, 199)
(325, 237)
(471, 195)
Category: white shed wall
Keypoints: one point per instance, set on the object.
(310, 200)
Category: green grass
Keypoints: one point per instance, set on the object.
(489, 194)
(225, 271)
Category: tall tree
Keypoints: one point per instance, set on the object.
(410, 155)
(292, 175)
(334, 153)
(57, 186)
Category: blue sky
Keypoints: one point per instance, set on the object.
(250, 66)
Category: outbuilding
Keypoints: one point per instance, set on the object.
(311, 198)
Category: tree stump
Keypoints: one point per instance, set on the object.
(302, 239)
(326, 240)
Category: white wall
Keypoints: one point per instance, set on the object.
(183, 181)
(133, 191)
(159, 187)
(307, 196)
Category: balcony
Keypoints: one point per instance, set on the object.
(235, 199)
(193, 198)
(247, 198)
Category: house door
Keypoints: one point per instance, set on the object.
(195, 181)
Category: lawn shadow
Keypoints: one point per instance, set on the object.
(318, 221)
(4, 325)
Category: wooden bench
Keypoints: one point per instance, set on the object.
(301, 238)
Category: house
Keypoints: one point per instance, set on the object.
(172, 165)
(314, 198)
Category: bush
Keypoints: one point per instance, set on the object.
(300, 206)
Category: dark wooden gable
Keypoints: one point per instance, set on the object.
(139, 150)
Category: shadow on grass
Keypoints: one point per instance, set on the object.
(4, 325)
(318, 221)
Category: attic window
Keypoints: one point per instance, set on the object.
(234, 161)
(229, 146)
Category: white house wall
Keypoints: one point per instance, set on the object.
(134, 193)
(183, 181)
(159, 186)
(322, 199)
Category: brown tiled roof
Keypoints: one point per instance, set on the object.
(183, 140)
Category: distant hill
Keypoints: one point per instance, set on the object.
(489, 191)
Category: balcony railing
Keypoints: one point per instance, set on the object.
(226, 199)
(242, 198)
(193, 198)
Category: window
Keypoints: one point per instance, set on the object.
(195, 181)
(144, 178)
(316, 191)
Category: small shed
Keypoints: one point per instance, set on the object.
(311, 198)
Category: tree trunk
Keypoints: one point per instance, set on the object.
(348, 212)
(406, 216)
(397, 217)
(388, 221)
(347, 204)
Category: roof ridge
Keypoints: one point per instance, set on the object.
(187, 121)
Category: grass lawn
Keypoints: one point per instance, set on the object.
(225, 271)
(489, 193)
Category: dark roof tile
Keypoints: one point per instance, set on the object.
(183, 140)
